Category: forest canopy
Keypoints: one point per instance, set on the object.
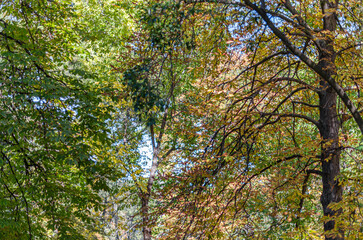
(181, 119)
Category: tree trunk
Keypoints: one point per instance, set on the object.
(145, 197)
(146, 230)
(329, 128)
(330, 158)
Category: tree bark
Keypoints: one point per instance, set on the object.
(146, 230)
(329, 128)
(145, 197)
(330, 158)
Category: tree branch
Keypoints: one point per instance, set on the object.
(313, 171)
(337, 88)
(285, 40)
(292, 115)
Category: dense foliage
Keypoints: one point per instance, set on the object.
(54, 134)
(195, 119)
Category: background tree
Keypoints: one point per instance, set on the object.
(156, 80)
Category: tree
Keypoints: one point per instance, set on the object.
(155, 80)
(55, 140)
(252, 108)
(300, 78)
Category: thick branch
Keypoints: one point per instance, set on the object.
(313, 171)
(337, 88)
(285, 40)
(292, 115)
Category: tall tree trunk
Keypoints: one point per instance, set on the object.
(329, 127)
(330, 158)
(156, 147)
